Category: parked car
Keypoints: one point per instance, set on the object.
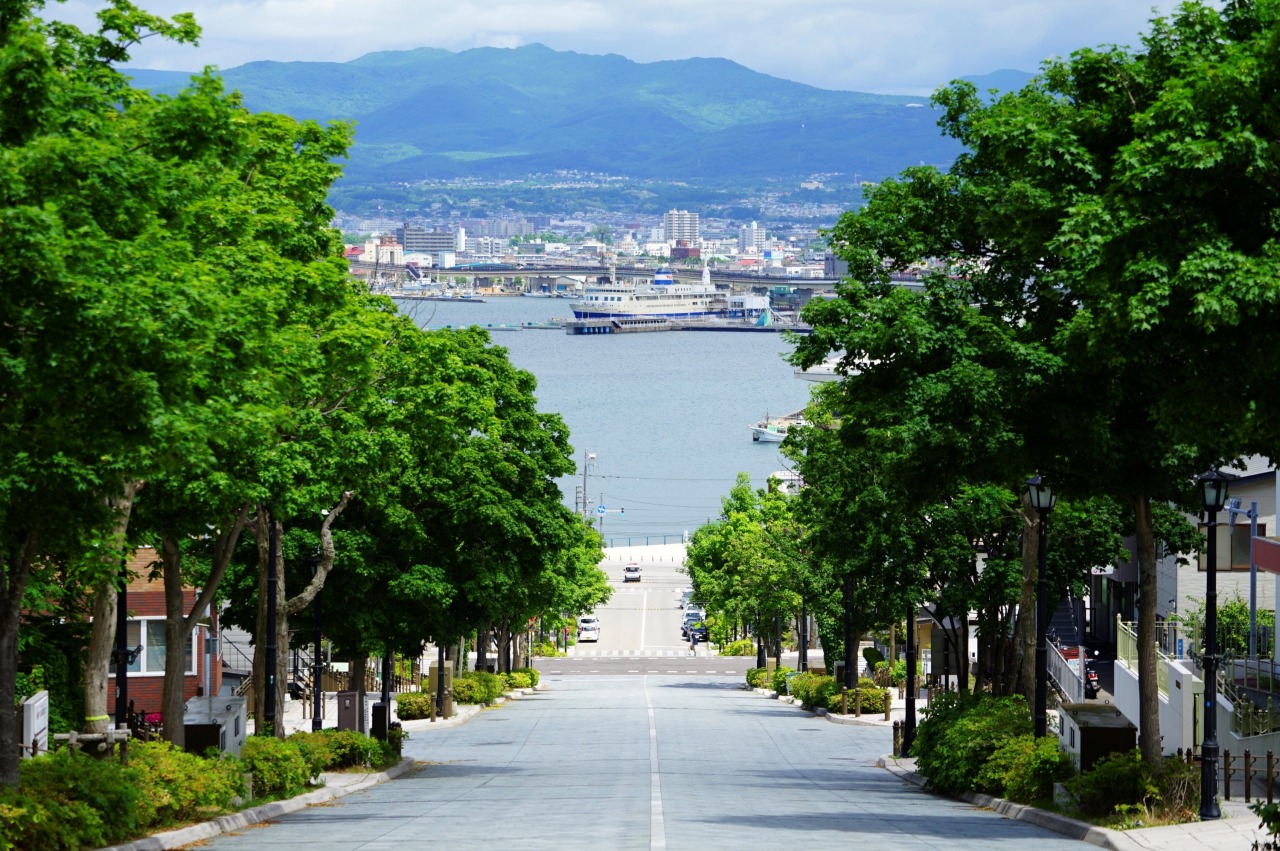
(589, 633)
(631, 573)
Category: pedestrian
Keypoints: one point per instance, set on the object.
(693, 641)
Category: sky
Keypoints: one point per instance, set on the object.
(907, 47)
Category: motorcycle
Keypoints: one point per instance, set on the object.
(1091, 685)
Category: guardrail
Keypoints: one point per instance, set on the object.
(1070, 680)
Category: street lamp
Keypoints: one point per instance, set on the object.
(1213, 495)
(909, 724)
(1043, 499)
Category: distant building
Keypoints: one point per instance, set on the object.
(681, 225)
(751, 237)
(683, 250)
(426, 241)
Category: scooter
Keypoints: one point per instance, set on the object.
(1091, 685)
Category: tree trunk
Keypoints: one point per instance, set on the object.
(1025, 632)
(1148, 689)
(102, 632)
(179, 624)
(14, 571)
(482, 650)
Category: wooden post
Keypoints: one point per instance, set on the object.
(1226, 775)
(844, 700)
(857, 701)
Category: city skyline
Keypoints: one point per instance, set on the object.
(907, 48)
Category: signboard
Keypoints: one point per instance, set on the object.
(35, 725)
(599, 509)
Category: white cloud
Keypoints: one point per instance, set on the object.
(892, 46)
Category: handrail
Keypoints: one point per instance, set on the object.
(1070, 682)
(1127, 652)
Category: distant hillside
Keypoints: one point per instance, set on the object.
(493, 112)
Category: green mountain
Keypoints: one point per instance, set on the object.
(493, 112)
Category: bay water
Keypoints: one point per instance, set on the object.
(666, 414)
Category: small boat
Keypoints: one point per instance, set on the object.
(774, 429)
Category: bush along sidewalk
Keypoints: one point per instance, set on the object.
(984, 744)
(69, 800)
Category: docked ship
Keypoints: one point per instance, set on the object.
(662, 298)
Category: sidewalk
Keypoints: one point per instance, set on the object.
(1237, 830)
(333, 784)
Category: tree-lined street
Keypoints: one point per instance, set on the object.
(637, 762)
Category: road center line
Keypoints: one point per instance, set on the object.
(657, 826)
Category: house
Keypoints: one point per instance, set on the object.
(146, 609)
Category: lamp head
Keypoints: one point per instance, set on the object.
(1213, 489)
(1042, 496)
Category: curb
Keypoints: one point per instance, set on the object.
(1099, 836)
(254, 815)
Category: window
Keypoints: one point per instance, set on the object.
(149, 634)
(1233, 545)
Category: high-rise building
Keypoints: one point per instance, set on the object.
(681, 224)
(752, 237)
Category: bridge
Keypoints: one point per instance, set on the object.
(506, 273)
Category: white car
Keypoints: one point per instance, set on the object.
(589, 633)
(631, 573)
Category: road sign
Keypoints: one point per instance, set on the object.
(599, 509)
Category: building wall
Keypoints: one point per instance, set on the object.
(146, 603)
(1258, 487)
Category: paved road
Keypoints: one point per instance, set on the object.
(645, 762)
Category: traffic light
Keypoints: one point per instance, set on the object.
(622, 512)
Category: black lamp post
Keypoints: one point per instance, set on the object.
(909, 724)
(1043, 500)
(1213, 493)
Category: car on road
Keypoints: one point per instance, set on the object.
(631, 573)
(589, 633)
(698, 628)
(691, 616)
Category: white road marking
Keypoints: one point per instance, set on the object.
(657, 825)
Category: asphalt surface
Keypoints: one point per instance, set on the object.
(643, 762)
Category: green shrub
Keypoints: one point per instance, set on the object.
(316, 749)
(779, 681)
(741, 647)
(1116, 780)
(755, 677)
(412, 705)
(534, 676)
(104, 786)
(30, 821)
(960, 734)
(546, 648)
(356, 750)
(872, 656)
(518, 680)
(1024, 769)
(278, 769)
(478, 687)
(184, 787)
(813, 690)
(868, 693)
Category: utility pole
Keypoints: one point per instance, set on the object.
(587, 459)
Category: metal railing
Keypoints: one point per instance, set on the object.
(1127, 652)
(1070, 680)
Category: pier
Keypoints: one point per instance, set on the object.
(633, 325)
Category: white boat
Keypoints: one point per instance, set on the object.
(774, 429)
(662, 298)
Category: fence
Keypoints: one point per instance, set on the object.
(1127, 651)
(1070, 680)
(1243, 770)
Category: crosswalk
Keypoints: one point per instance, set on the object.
(577, 651)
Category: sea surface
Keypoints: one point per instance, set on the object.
(666, 414)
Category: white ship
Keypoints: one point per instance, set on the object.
(662, 298)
